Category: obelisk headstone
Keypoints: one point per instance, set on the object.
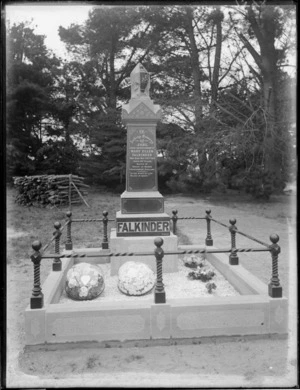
(140, 117)
(142, 213)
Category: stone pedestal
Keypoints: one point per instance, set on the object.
(142, 244)
(139, 202)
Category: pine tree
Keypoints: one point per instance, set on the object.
(29, 87)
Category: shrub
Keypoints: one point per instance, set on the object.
(261, 184)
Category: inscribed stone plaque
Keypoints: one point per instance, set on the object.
(141, 159)
(132, 227)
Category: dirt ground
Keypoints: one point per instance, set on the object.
(214, 362)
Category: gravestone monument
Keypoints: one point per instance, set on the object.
(142, 216)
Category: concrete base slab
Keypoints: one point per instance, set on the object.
(242, 280)
(142, 244)
(93, 255)
(35, 326)
(226, 316)
(278, 314)
(55, 283)
(161, 321)
(65, 323)
(253, 312)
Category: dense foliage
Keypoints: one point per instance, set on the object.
(219, 74)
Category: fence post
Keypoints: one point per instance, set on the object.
(105, 222)
(159, 295)
(174, 219)
(69, 244)
(37, 298)
(275, 290)
(56, 265)
(208, 240)
(233, 257)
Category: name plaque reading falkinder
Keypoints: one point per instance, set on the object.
(143, 228)
(141, 160)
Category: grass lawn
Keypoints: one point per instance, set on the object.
(37, 223)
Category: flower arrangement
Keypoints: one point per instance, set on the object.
(203, 275)
(193, 261)
(210, 287)
(135, 278)
(84, 281)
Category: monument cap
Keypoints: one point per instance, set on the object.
(140, 82)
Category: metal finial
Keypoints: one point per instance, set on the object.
(158, 242)
(57, 225)
(232, 221)
(274, 238)
(36, 245)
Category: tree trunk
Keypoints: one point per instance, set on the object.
(265, 31)
(218, 17)
(67, 130)
(202, 158)
(216, 70)
(195, 68)
(112, 77)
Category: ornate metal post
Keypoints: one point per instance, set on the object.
(37, 298)
(56, 265)
(159, 295)
(174, 219)
(208, 240)
(233, 257)
(275, 290)
(69, 244)
(105, 222)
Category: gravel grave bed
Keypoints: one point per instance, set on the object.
(177, 285)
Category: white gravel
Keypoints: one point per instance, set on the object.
(177, 285)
